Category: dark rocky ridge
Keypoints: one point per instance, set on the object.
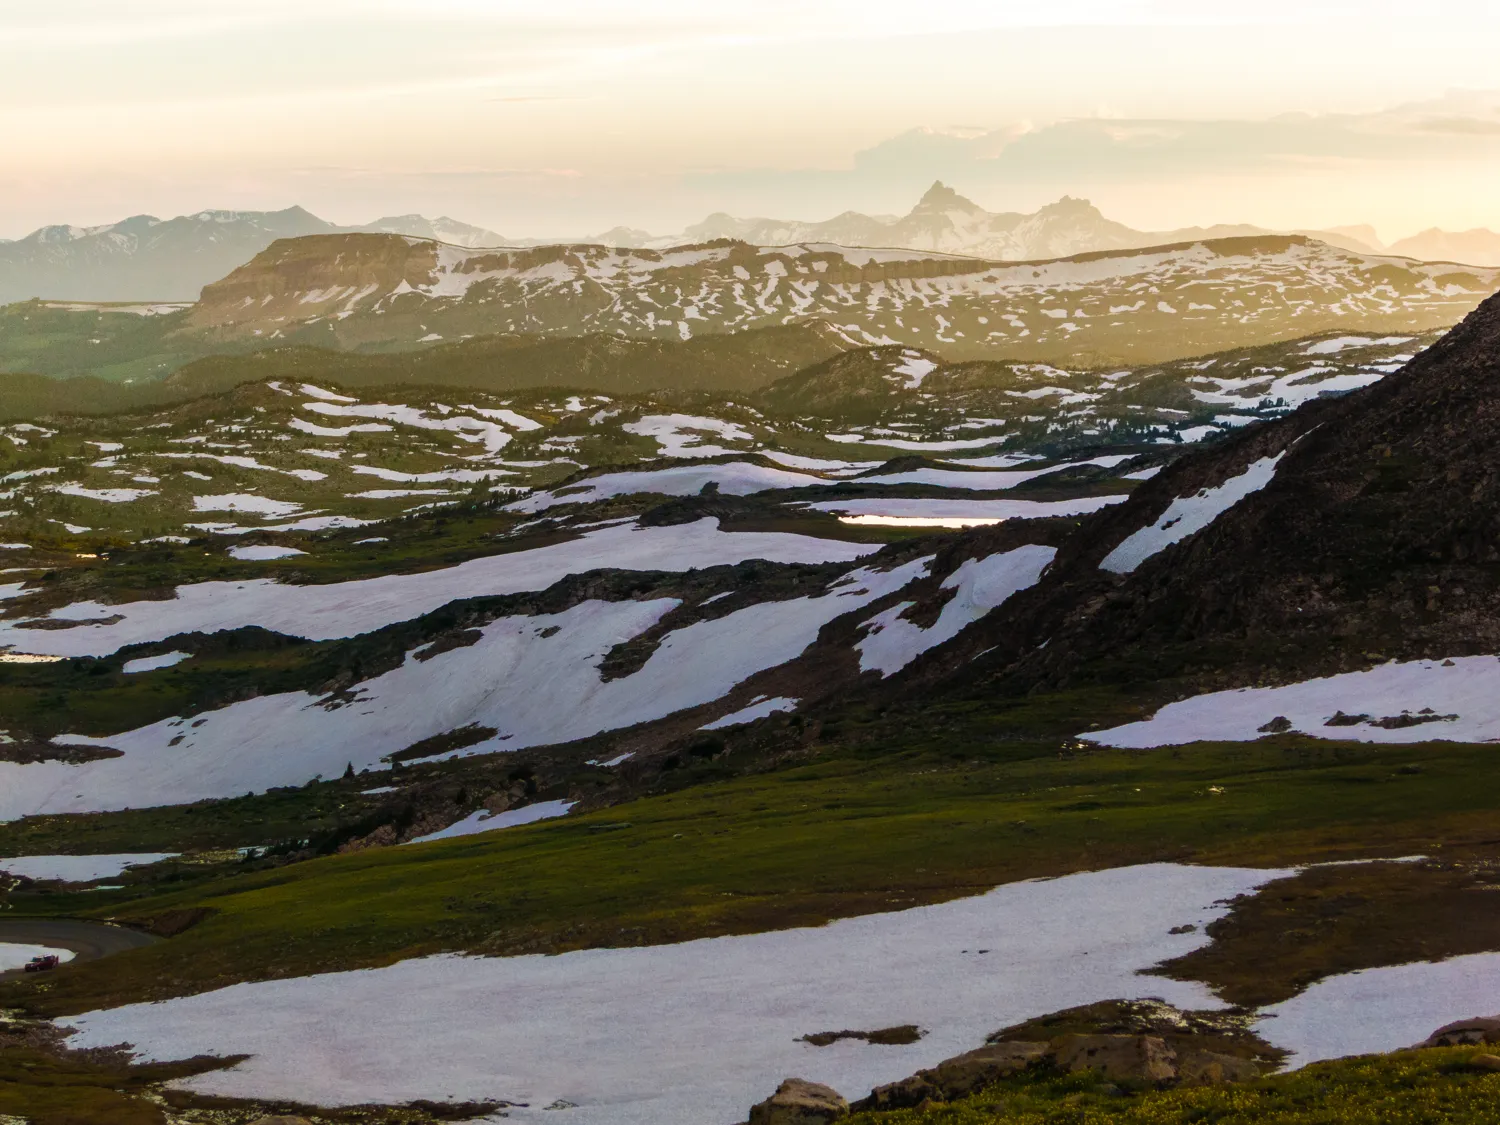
(1377, 538)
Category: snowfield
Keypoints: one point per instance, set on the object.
(892, 642)
(736, 478)
(759, 709)
(482, 820)
(1188, 515)
(346, 609)
(1382, 1009)
(78, 868)
(692, 1034)
(510, 680)
(1417, 701)
(974, 510)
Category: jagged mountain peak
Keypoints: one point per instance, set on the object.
(940, 198)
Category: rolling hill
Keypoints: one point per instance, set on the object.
(1135, 306)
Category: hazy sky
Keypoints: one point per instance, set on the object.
(570, 116)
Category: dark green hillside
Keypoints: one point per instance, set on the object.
(743, 362)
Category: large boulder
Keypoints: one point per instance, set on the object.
(799, 1102)
(957, 1077)
(1211, 1068)
(1465, 1032)
(1121, 1058)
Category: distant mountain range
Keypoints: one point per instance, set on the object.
(945, 221)
(1477, 247)
(144, 258)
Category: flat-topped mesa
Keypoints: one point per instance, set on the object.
(385, 292)
(295, 279)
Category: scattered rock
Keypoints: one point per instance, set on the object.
(885, 1036)
(1407, 719)
(1462, 1033)
(1279, 725)
(1342, 720)
(1185, 929)
(799, 1102)
(1132, 1058)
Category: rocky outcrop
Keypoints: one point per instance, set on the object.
(1123, 1058)
(1465, 1033)
(1210, 1068)
(799, 1102)
(957, 1077)
(1133, 1043)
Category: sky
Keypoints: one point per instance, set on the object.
(573, 116)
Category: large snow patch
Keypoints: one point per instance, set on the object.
(1188, 515)
(533, 679)
(345, 609)
(693, 1034)
(1417, 701)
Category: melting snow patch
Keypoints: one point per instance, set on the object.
(1189, 514)
(737, 478)
(152, 663)
(481, 820)
(713, 1024)
(345, 609)
(973, 512)
(981, 481)
(104, 495)
(1382, 1009)
(338, 431)
(264, 552)
(680, 435)
(79, 868)
(326, 396)
(757, 710)
(902, 443)
(1418, 701)
(892, 642)
(915, 367)
(1333, 347)
(509, 680)
(244, 502)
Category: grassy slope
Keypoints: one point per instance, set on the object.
(1411, 1087)
(52, 366)
(965, 801)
